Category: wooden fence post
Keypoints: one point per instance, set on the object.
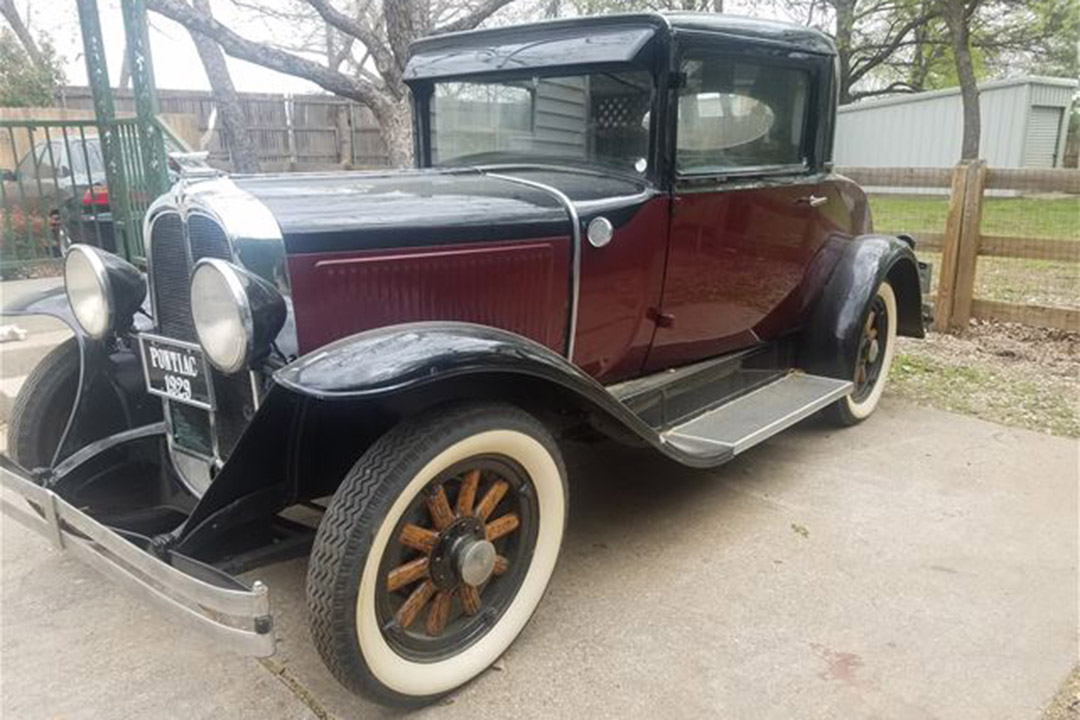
(967, 256)
(950, 251)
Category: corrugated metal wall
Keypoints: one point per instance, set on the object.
(925, 130)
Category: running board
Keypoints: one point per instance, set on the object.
(749, 419)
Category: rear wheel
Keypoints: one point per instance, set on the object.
(877, 345)
(435, 551)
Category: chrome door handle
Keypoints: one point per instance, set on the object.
(813, 200)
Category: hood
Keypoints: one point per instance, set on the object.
(363, 211)
(371, 210)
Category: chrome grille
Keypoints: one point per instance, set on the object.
(169, 274)
(207, 239)
(173, 251)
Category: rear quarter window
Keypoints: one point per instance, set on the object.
(739, 115)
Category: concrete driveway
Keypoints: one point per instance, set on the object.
(922, 565)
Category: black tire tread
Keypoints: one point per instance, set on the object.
(32, 403)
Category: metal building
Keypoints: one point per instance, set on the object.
(1024, 121)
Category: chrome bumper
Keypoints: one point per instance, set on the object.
(238, 620)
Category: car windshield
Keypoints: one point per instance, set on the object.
(598, 119)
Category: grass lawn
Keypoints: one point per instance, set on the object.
(1040, 216)
(1013, 280)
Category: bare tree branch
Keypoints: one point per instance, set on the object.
(898, 36)
(367, 36)
(11, 14)
(237, 46)
(479, 14)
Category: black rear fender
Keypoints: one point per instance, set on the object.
(830, 341)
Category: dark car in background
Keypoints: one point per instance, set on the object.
(62, 182)
(621, 227)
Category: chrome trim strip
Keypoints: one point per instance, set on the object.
(186, 599)
(575, 260)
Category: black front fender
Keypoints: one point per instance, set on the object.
(830, 341)
(51, 302)
(403, 367)
(108, 370)
(399, 370)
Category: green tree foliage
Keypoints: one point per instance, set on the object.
(24, 83)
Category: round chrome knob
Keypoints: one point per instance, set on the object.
(476, 561)
(599, 231)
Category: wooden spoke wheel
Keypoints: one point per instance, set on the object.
(872, 348)
(877, 345)
(435, 551)
(450, 571)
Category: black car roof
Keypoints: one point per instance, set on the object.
(430, 52)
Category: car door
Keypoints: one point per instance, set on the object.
(745, 218)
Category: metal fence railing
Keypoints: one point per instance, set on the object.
(54, 190)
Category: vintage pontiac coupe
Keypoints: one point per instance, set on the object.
(620, 227)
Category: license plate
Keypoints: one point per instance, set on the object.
(175, 370)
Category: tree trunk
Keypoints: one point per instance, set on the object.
(395, 127)
(845, 24)
(241, 149)
(11, 14)
(957, 17)
(387, 97)
(125, 72)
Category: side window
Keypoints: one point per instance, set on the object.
(740, 115)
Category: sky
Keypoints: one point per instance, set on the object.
(176, 63)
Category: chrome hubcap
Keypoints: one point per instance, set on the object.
(476, 562)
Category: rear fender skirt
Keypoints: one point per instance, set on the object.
(830, 341)
(115, 364)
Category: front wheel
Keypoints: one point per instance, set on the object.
(42, 407)
(877, 345)
(435, 551)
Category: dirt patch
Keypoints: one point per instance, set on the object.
(1066, 704)
(1012, 374)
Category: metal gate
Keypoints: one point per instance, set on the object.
(86, 180)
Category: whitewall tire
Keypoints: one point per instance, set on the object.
(877, 347)
(435, 551)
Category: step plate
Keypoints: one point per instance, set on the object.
(758, 415)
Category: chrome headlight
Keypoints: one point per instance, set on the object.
(104, 290)
(237, 315)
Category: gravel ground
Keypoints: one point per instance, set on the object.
(1011, 374)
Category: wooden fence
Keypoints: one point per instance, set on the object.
(290, 132)
(963, 241)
